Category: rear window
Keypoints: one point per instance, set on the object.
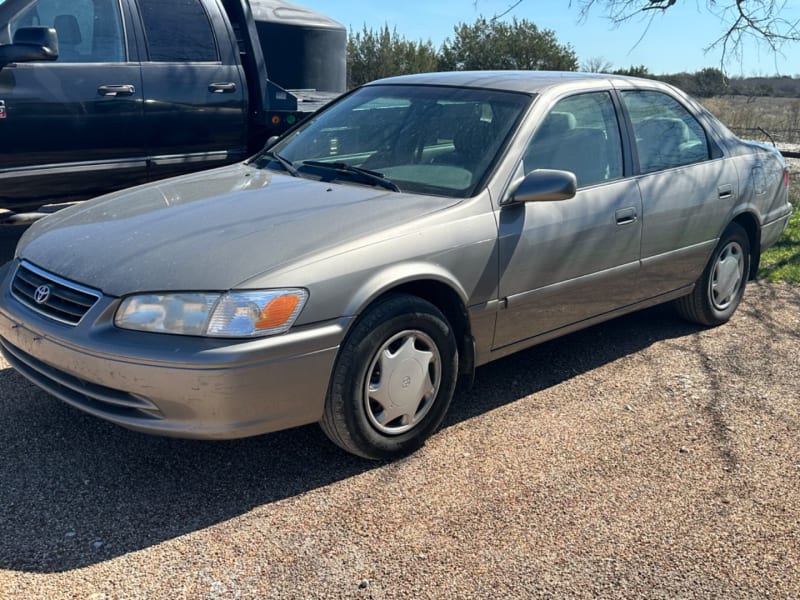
(178, 31)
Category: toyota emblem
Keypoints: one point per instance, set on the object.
(41, 294)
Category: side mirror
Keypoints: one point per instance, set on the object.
(30, 44)
(271, 140)
(544, 185)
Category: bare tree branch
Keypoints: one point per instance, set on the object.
(757, 20)
(761, 21)
(508, 10)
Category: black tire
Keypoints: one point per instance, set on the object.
(393, 380)
(720, 288)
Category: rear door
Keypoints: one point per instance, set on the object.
(688, 190)
(195, 113)
(72, 128)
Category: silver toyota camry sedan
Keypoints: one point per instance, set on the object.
(357, 268)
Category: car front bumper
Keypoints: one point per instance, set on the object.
(172, 385)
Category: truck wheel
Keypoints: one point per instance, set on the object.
(393, 380)
(721, 286)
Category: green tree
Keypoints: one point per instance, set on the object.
(383, 53)
(709, 82)
(493, 44)
(683, 80)
(635, 71)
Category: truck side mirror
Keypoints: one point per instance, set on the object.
(30, 44)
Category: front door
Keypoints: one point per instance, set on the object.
(563, 262)
(71, 128)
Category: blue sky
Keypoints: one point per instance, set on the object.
(674, 41)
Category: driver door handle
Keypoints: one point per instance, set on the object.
(116, 90)
(221, 88)
(625, 216)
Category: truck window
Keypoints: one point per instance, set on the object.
(178, 31)
(88, 30)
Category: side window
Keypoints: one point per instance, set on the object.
(580, 134)
(667, 135)
(88, 30)
(178, 31)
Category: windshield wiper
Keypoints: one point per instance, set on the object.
(365, 175)
(284, 162)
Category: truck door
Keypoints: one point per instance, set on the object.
(71, 128)
(195, 109)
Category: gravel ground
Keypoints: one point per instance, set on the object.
(641, 458)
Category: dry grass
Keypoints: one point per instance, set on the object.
(746, 115)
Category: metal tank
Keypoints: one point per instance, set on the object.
(303, 49)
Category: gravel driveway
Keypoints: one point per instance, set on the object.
(640, 458)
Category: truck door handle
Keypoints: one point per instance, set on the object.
(221, 88)
(625, 216)
(116, 90)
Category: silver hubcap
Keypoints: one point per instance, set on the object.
(402, 382)
(727, 276)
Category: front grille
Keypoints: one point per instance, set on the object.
(51, 296)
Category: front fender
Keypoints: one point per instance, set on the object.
(398, 275)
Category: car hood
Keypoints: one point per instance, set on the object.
(212, 230)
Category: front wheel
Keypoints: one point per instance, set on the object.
(720, 288)
(393, 380)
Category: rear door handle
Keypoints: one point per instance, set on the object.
(625, 216)
(221, 88)
(116, 90)
(725, 191)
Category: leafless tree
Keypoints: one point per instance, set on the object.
(597, 64)
(762, 20)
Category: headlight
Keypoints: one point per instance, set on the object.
(234, 314)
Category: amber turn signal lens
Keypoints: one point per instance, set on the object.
(277, 312)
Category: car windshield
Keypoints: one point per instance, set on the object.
(422, 139)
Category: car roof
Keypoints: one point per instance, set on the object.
(513, 81)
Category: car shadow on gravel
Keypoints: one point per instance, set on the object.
(554, 362)
(76, 491)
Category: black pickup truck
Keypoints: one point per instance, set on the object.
(97, 95)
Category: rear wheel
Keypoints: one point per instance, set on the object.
(720, 288)
(393, 380)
